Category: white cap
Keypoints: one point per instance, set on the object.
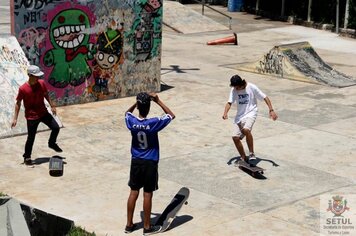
(34, 70)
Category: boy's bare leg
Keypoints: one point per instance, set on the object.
(147, 207)
(131, 203)
(249, 139)
(239, 147)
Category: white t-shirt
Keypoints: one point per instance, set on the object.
(246, 101)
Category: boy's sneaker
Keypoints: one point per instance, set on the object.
(55, 147)
(236, 163)
(152, 230)
(130, 229)
(252, 156)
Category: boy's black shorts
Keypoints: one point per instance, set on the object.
(143, 173)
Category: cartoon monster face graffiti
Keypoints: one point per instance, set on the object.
(71, 48)
(109, 53)
(110, 45)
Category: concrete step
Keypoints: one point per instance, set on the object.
(3, 219)
(16, 219)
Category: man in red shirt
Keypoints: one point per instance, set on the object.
(33, 93)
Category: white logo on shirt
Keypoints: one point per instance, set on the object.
(145, 127)
(243, 98)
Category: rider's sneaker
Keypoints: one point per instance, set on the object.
(236, 163)
(152, 230)
(252, 156)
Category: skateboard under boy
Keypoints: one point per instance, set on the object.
(254, 169)
(173, 208)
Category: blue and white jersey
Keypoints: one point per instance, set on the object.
(144, 134)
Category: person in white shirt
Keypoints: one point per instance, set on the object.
(245, 95)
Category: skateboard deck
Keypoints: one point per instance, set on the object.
(56, 166)
(253, 169)
(173, 208)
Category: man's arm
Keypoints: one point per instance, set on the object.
(166, 110)
(16, 115)
(226, 110)
(272, 113)
(132, 108)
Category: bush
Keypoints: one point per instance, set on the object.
(78, 231)
(352, 15)
(322, 11)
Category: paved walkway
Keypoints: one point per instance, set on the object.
(313, 143)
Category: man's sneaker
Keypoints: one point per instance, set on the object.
(28, 162)
(252, 156)
(55, 147)
(152, 230)
(130, 229)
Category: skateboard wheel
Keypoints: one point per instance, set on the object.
(186, 203)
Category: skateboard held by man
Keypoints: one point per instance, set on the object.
(168, 215)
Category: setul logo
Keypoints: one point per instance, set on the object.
(338, 206)
(338, 218)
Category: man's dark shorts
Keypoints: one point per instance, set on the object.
(143, 173)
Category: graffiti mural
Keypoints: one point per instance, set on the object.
(92, 50)
(272, 63)
(146, 29)
(107, 60)
(71, 49)
(13, 66)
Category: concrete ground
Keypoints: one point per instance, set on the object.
(313, 143)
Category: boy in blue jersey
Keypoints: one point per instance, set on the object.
(145, 157)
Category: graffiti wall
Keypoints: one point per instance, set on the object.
(92, 49)
(13, 64)
(13, 67)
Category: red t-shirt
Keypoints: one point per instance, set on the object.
(33, 99)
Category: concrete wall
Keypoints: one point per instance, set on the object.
(13, 73)
(91, 50)
(13, 64)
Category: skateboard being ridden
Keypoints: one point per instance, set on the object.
(245, 95)
(254, 169)
(168, 215)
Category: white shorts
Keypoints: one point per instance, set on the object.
(245, 123)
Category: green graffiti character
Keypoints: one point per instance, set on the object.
(70, 38)
(145, 33)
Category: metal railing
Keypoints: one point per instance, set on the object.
(211, 8)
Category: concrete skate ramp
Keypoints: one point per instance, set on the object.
(13, 65)
(18, 219)
(184, 20)
(298, 61)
